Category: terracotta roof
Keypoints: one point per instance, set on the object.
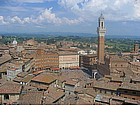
(71, 82)
(135, 63)
(22, 74)
(130, 86)
(5, 59)
(136, 79)
(18, 79)
(90, 91)
(26, 87)
(70, 74)
(116, 79)
(31, 98)
(41, 87)
(106, 85)
(135, 102)
(79, 90)
(27, 78)
(44, 78)
(81, 101)
(70, 99)
(53, 94)
(2, 81)
(38, 72)
(10, 88)
(3, 68)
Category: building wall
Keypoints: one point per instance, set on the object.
(12, 98)
(118, 65)
(12, 73)
(131, 94)
(113, 65)
(36, 84)
(105, 91)
(103, 69)
(89, 61)
(27, 65)
(135, 67)
(43, 60)
(67, 61)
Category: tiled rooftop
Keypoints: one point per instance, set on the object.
(106, 85)
(10, 88)
(53, 94)
(5, 58)
(130, 86)
(44, 78)
(31, 98)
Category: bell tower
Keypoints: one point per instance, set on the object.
(101, 30)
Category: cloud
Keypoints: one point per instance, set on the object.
(50, 17)
(85, 10)
(2, 21)
(113, 9)
(30, 1)
(46, 16)
(17, 19)
(137, 9)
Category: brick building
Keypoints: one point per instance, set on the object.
(44, 60)
(89, 61)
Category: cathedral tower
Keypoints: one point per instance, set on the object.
(101, 30)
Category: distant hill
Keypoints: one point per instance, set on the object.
(65, 34)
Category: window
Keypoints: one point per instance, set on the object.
(6, 97)
(134, 93)
(102, 24)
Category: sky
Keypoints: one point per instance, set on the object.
(122, 17)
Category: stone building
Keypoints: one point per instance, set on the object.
(68, 59)
(13, 70)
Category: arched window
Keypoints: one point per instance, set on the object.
(6, 97)
(102, 24)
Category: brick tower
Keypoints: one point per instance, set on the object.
(101, 30)
(136, 47)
